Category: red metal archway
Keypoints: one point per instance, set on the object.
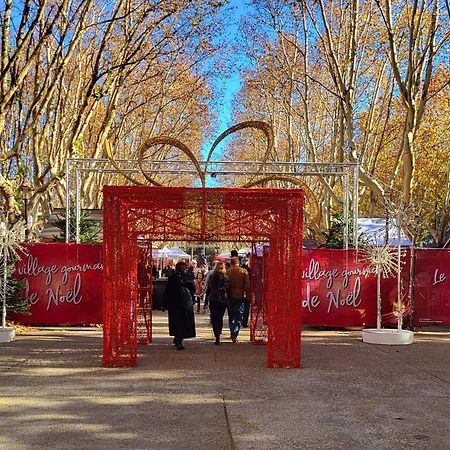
(274, 216)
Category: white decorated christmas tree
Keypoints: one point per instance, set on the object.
(11, 237)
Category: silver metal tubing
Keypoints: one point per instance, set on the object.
(346, 215)
(77, 209)
(355, 202)
(76, 167)
(258, 163)
(213, 172)
(68, 161)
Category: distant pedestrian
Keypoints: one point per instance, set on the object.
(178, 299)
(238, 290)
(154, 272)
(143, 279)
(245, 265)
(200, 289)
(208, 274)
(192, 270)
(168, 270)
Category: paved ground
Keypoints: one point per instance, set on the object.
(54, 394)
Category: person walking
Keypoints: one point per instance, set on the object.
(238, 289)
(245, 317)
(216, 293)
(178, 299)
(192, 270)
(143, 279)
(200, 288)
(207, 276)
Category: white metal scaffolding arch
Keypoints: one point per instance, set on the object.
(76, 167)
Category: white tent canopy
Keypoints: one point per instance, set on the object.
(176, 252)
(374, 230)
(244, 251)
(164, 252)
(156, 252)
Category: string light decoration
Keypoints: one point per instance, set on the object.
(384, 261)
(258, 303)
(273, 216)
(387, 261)
(407, 216)
(145, 153)
(163, 160)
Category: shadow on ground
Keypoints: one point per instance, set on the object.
(55, 394)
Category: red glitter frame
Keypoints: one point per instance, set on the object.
(271, 216)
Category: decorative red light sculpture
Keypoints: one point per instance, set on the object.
(271, 216)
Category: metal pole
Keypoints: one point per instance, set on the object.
(355, 205)
(378, 298)
(386, 228)
(346, 198)
(399, 270)
(25, 207)
(77, 208)
(4, 288)
(5, 269)
(67, 199)
(354, 210)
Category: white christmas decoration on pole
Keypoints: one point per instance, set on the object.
(10, 245)
(386, 261)
(399, 268)
(382, 259)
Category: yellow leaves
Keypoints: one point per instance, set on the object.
(78, 148)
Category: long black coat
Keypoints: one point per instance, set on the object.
(180, 305)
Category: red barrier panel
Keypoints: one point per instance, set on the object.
(64, 283)
(432, 287)
(339, 290)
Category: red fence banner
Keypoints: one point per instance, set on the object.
(64, 283)
(339, 290)
(432, 287)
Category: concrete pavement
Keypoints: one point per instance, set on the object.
(54, 394)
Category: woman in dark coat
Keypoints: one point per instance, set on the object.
(178, 299)
(216, 293)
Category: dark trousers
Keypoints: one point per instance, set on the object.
(235, 313)
(197, 300)
(246, 313)
(217, 310)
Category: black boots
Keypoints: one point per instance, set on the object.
(178, 342)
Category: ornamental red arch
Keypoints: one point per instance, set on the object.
(272, 216)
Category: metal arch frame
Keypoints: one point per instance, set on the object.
(75, 167)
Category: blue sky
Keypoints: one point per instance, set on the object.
(225, 89)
